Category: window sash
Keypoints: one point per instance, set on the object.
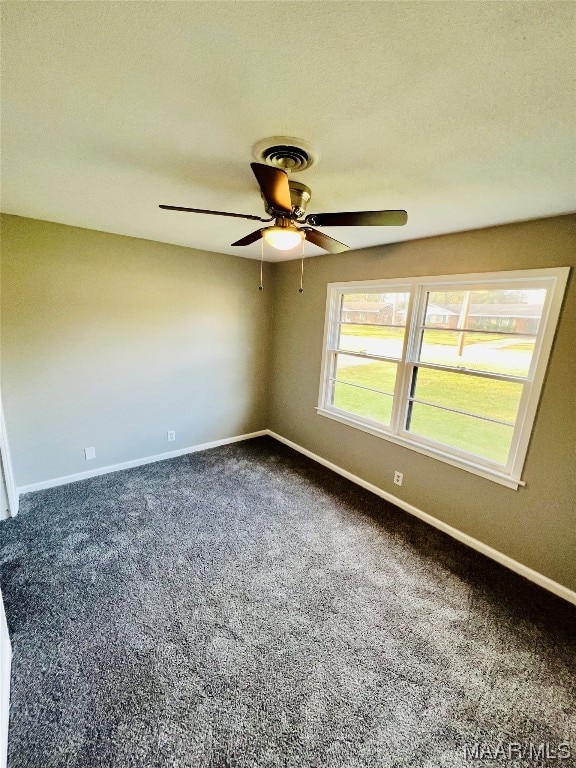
(436, 447)
(362, 386)
(471, 330)
(553, 280)
(422, 289)
(379, 325)
(467, 371)
(462, 413)
(364, 355)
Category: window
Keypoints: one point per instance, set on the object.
(448, 366)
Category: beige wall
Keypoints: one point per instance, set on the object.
(535, 525)
(110, 341)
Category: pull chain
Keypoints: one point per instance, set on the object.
(261, 286)
(301, 289)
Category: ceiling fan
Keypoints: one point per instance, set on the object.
(285, 202)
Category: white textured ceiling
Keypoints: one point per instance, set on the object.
(462, 113)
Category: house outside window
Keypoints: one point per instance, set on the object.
(449, 366)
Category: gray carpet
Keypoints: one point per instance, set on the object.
(246, 607)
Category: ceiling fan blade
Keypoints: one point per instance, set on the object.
(251, 238)
(214, 213)
(274, 185)
(359, 219)
(323, 241)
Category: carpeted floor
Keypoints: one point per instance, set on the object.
(246, 607)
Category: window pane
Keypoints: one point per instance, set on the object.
(481, 438)
(510, 311)
(387, 308)
(362, 402)
(366, 373)
(484, 397)
(372, 339)
(496, 353)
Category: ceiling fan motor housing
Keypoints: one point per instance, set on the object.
(300, 196)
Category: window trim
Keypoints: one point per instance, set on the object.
(554, 279)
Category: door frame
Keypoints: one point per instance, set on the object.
(5, 667)
(5, 457)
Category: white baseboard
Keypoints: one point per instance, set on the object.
(494, 554)
(43, 484)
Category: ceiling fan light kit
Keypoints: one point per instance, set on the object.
(283, 237)
(285, 201)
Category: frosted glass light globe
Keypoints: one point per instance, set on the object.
(283, 238)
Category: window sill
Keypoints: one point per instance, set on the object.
(468, 466)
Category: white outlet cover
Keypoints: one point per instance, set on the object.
(90, 453)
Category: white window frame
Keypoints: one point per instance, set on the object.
(553, 279)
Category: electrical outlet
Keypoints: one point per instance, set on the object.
(90, 453)
(398, 478)
(171, 436)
